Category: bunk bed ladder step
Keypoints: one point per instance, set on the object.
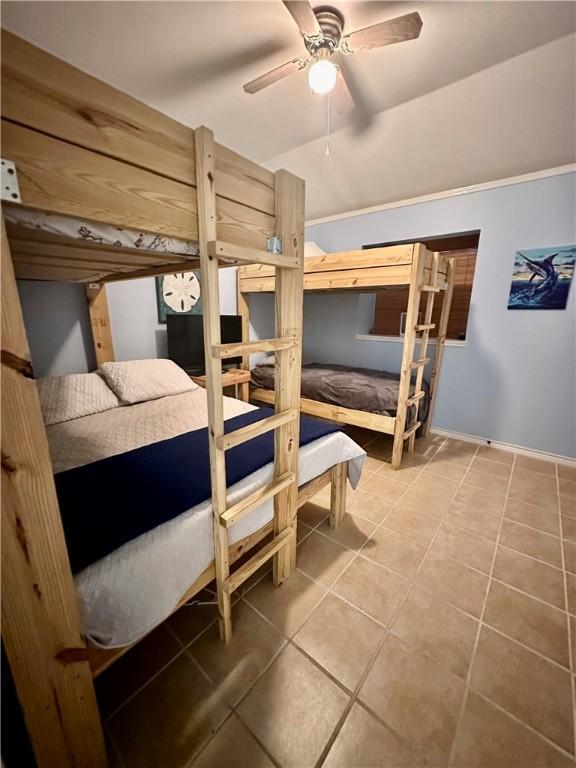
(236, 512)
(229, 440)
(423, 361)
(236, 349)
(425, 327)
(430, 289)
(243, 573)
(217, 249)
(411, 430)
(416, 397)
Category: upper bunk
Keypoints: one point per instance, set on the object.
(87, 152)
(363, 270)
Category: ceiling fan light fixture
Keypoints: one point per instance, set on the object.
(322, 76)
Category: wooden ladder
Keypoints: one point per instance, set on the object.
(287, 345)
(403, 432)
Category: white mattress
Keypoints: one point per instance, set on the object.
(97, 233)
(127, 593)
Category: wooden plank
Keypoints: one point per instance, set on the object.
(213, 367)
(411, 431)
(279, 542)
(349, 279)
(421, 363)
(416, 398)
(425, 327)
(339, 475)
(288, 306)
(40, 616)
(337, 413)
(238, 253)
(242, 508)
(243, 309)
(239, 436)
(442, 329)
(311, 488)
(77, 252)
(62, 178)
(66, 274)
(49, 95)
(236, 349)
(100, 322)
(161, 269)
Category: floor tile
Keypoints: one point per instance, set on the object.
(430, 482)
(536, 578)
(394, 551)
(531, 622)
(495, 454)
(462, 446)
(365, 742)
(289, 605)
(448, 469)
(301, 532)
(340, 639)
(490, 467)
(352, 531)
(533, 482)
(233, 747)
(468, 517)
(481, 499)
(489, 738)
(369, 506)
(567, 505)
(293, 709)
(540, 545)
(451, 456)
(416, 697)
(235, 665)
(430, 502)
(372, 588)
(572, 620)
(193, 618)
(526, 685)
(414, 525)
(567, 472)
(533, 516)
(569, 528)
(569, 555)
(385, 488)
(545, 499)
(453, 582)
(403, 474)
(535, 465)
(492, 483)
(322, 559)
(135, 668)
(571, 592)
(168, 721)
(465, 547)
(312, 514)
(437, 630)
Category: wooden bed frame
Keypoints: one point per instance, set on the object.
(369, 270)
(82, 148)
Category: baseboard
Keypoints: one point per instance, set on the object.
(505, 446)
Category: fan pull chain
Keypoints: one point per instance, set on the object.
(327, 150)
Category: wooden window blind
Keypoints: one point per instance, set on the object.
(392, 302)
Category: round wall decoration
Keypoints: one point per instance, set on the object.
(178, 294)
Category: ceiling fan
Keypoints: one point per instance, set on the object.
(323, 31)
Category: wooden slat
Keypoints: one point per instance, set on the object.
(425, 327)
(230, 439)
(100, 322)
(251, 347)
(411, 430)
(238, 253)
(339, 474)
(244, 311)
(236, 579)
(350, 279)
(336, 413)
(49, 95)
(40, 616)
(430, 288)
(238, 511)
(311, 488)
(416, 398)
(423, 361)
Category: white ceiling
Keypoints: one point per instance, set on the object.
(190, 59)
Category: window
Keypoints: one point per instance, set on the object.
(391, 303)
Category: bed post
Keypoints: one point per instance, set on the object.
(100, 322)
(338, 477)
(40, 616)
(440, 341)
(289, 301)
(243, 309)
(416, 278)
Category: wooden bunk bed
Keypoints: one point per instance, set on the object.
(368, 270)
(81, 148)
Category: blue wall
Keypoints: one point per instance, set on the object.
(514, 380)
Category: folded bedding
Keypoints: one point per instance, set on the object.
(361, 389)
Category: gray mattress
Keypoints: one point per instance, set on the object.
(362, 389)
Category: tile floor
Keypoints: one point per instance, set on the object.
(435, 627)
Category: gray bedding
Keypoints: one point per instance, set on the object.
(360, 388)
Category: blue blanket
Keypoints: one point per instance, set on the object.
(112, 501)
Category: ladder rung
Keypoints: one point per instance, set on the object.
(250, 347)
(224, 442)
(410, 431)
(237, 511)
(430, 288)
(238, 578)
(426, 327)
(420, 363)
(220, 250)
(416, 398)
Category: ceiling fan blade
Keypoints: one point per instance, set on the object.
(275, 74)
(385, 33)
(302, 13)
(348, 96)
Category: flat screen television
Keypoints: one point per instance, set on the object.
(186, 340)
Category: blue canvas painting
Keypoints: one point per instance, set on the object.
(541, 278)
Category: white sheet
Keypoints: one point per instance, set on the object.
(127, 593)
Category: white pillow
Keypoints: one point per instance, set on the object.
(135, 381)
(64, 398)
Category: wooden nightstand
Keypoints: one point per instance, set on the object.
(230, 378)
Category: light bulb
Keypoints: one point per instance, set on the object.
(322, 76)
